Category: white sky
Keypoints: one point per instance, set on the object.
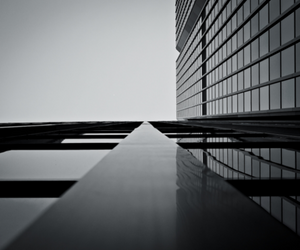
(76, 60)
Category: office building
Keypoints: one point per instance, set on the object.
(239, 66)
(238, 58)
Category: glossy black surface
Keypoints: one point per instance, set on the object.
(148, 193)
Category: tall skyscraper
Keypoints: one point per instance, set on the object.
(238, 58)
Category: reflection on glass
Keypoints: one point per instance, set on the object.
(275, 66)
(275, 37)
(17, 213)
(274, 9)
(287, 61)
(45, 164)
(254, 74)
(254, 25)
(264, 71)
(287, 29)
(255, 100)
(247, 101)
(263, 16)
(298, 92)
(254, 50)
(90, 140)
(264, 98)
(287, 93)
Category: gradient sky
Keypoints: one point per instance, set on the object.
(77, 60)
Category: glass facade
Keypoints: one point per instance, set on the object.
(240, 57)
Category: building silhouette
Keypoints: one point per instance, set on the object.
(225, 175)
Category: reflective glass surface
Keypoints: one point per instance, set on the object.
(287, 94)
(275, 96)
(287, 61)
(287, 29)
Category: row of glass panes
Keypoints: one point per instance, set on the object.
(233, 22)
(260, 46)
(253, 51)
(184, 14)
(279, 65)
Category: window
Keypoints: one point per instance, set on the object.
(247, 31)
(298, 22)
(234, 83)
(229, 85)
(287, 29)
(240, 80)
(264, 70)
(240, 37)
(274, 9)
(297, 57)
(240, 16)
(254, 4)
(254, 71)
(246, 9)
(240, 59)
(247, 101)
(255, 101)
(275, 37)
(254, 50)
(264, 44)
(298, 94)
(234, 42)
(275, 66)
(247, 58)
(264, 98)
(241, 102)
(287, 61)
(287, 93)
(254, 25)
(285, 4)
(234, 63)
(233, 22)
(247, 78)
(263, 17)
(234, 104)
(275, 96)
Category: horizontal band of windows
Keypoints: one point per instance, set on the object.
(253, 38)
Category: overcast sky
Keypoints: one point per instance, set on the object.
(76, 60)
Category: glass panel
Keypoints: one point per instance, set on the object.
(246, 8)
(45, 164)
(229, 85)
(255, 101)
(264, 44)
(241, 102)
(287, 61)
(264, 98)
(254, 71)
(240, 16)
(240, 80)
(254, 4)
(264, 71)
(254, 25)
(297, 57)
(275, 96)
(240, 59)
(234, 42)
(229, 105)
(233, 22)
(247, 58)
(234, 63)
(287, 94)
(275, 66)
(275, 37)
(285, 4)
(274, 9)
(234, 104)
(234, 83)
(247, 31)
(247, 101)
(240, 37)
(298, 22)
(247, 78)
(288, 214)
(264, 16)
(298, 94)
(276, 206)
(288, 158)
(287, 29)
(254, 50)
